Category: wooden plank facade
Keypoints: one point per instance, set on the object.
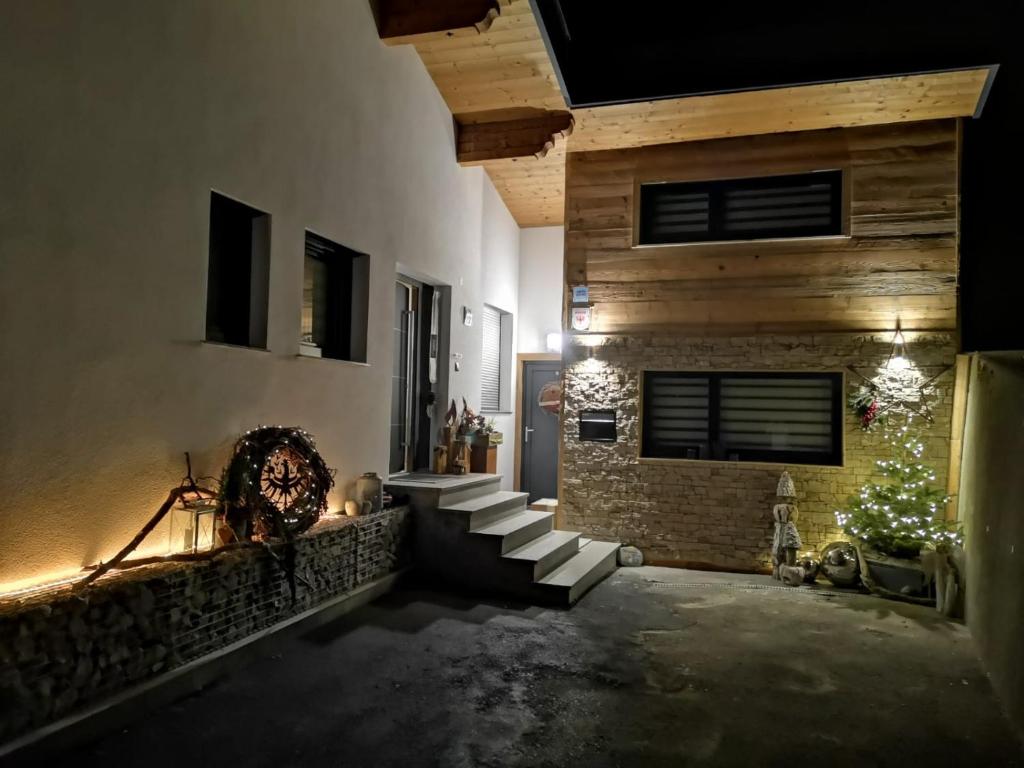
(897, 258)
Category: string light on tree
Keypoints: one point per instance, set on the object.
(898, 517)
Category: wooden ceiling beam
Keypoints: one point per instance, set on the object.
(410, 21)
(532, 136)
(490, 64)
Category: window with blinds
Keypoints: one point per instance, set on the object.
(495, 366)
(490, 366)
(786, 417)
(794, 205)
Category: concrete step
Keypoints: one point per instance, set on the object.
(515, 530)
(481, 510)
(474, 487)
(547, 551)
(569, 582)
(427, 491)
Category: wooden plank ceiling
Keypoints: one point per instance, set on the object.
(499, 70)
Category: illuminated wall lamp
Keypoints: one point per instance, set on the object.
(897, 355)
(553, 342)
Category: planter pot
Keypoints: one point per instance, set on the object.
(484, 457)
(895, 577)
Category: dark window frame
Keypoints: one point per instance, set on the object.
(238, 273)
(717, 189)
(344, 329)
(713, 449)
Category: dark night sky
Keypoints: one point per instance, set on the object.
(659, 48)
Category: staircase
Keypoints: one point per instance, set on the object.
(475, 535)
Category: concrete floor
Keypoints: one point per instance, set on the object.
(655, 667)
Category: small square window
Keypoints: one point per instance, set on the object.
(335, 298)
(496, 368)
(238, 279)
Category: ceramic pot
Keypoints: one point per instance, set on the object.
(369, 487)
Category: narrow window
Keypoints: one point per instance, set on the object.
(786, 417)
(795, 205)
(334, 300)
(238, 278)
(496, 369)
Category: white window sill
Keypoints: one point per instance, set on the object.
(356, 363)
(224, 344)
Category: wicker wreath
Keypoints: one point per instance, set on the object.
(275, 485)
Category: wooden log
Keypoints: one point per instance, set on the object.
(533, 136)
(173, 497)
(407, 21)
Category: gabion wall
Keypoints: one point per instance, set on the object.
(60, 652)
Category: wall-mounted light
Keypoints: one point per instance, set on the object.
(897, 355)
(553, 342)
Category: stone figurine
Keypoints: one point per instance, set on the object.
(786, 540)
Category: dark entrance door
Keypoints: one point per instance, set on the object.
(542, 394)
(414, 375)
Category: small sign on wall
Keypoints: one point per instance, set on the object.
(580, 294)
(581, 318)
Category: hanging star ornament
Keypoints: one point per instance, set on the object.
(899, 386)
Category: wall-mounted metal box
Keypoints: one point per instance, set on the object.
(598, 426)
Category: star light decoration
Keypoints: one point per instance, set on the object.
(896, 378)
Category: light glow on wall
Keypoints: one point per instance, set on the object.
(44, 584)
(588, 339)
(897, 356)
(553, 342)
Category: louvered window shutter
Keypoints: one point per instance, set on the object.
(490, 388)
(777, 414)
(676, 415)
(795, 205)
(794, 417)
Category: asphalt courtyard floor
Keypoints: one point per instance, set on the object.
(655, 667)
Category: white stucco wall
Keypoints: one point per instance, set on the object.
(499, 252)
(119, 118)
(541, 253)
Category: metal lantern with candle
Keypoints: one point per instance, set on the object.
(194, 521)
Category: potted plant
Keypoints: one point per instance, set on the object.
(894, 520)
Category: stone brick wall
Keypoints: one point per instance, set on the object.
(60, 652)
(719, 513)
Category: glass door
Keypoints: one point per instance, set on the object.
(403, 377)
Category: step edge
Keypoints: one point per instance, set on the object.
(535, 516)
(568, 535)
(597, 554)
(505, 497)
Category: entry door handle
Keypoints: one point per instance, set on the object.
(526, 434)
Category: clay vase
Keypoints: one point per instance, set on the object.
(369, 487)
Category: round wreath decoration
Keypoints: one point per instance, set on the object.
(275, 485)
(865, 406)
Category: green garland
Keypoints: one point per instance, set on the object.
(248, 508)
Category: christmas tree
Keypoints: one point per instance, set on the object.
(902, 515)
